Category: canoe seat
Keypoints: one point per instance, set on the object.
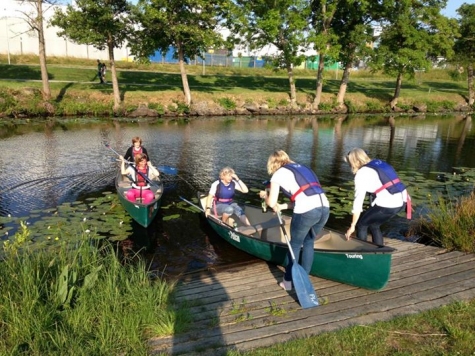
(248, 230)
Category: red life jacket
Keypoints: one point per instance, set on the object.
(141, 182)
(136, 152)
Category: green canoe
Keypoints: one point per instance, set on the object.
(354, 262)
(143, 214)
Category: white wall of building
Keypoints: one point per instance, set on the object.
(16, 37)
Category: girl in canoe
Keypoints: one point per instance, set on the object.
(135, 149)
(311, 208)
(141, 174)
(388, 195)
(221, 193)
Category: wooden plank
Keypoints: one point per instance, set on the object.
(243, 308)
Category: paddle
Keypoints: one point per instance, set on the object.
(304, 288)
(193, 205)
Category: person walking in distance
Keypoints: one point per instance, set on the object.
(99, 72)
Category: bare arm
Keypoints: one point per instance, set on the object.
(240, 185)
(123, 169)
(209, 204)
(351, 230)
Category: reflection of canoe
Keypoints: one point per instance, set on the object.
(355, 262)
(143, 214)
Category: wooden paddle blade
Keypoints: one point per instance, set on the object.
(304, 288)
(168, 170)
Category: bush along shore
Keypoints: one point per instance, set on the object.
(155, 91)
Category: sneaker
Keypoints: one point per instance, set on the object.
(286, 285)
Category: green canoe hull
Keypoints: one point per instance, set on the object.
(143, 214)
(357, 263)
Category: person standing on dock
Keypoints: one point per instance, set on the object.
(310, 205)
(388, 195)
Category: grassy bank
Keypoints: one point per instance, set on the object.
(85, 302)
(76, 89)
(60, 301)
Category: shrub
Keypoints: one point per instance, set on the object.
(157, 107)
(450, 224)
(227, 103)
(373, 106)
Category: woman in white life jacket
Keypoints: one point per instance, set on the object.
(388, 195)
(140, 187)
(308, 201)
(221, 193)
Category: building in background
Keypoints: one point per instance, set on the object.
(16, 38)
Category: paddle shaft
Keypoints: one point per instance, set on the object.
(304, 288)
(192, 204)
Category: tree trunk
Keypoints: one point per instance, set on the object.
(319, 88)
(42, 51)
(115, 82)
(397, 91)
(293, 92)
(184, 77)
(343, 85)
(471, 88)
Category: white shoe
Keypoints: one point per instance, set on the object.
(286, 285)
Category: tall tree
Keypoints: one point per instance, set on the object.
(413, 36)
(35, 18)
(282, 23)
(352, 24)
(100, 23)
(465, 45)
(325, 41)
(188, 26)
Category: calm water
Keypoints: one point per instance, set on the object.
(46, 164)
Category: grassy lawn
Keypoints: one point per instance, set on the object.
(160, 84)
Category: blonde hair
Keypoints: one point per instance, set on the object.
(276, 160)
(225, 171)
(357, 158)
(136, 139)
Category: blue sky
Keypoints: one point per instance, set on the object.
(453, 5)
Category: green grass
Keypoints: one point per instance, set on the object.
(449, 330)
(143, 81)
(80, 302)
(450, 223)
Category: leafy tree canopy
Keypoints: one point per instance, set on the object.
(190, 25)
(100, 23)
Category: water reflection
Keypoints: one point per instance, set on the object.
(46, 164)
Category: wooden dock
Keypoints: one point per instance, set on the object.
(243, 307)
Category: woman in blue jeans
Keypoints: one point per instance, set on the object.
(388, 195)
(311, 208)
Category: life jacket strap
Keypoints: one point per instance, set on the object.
(409, 208)
(387, 185)
(224, 200)
(303, 188)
